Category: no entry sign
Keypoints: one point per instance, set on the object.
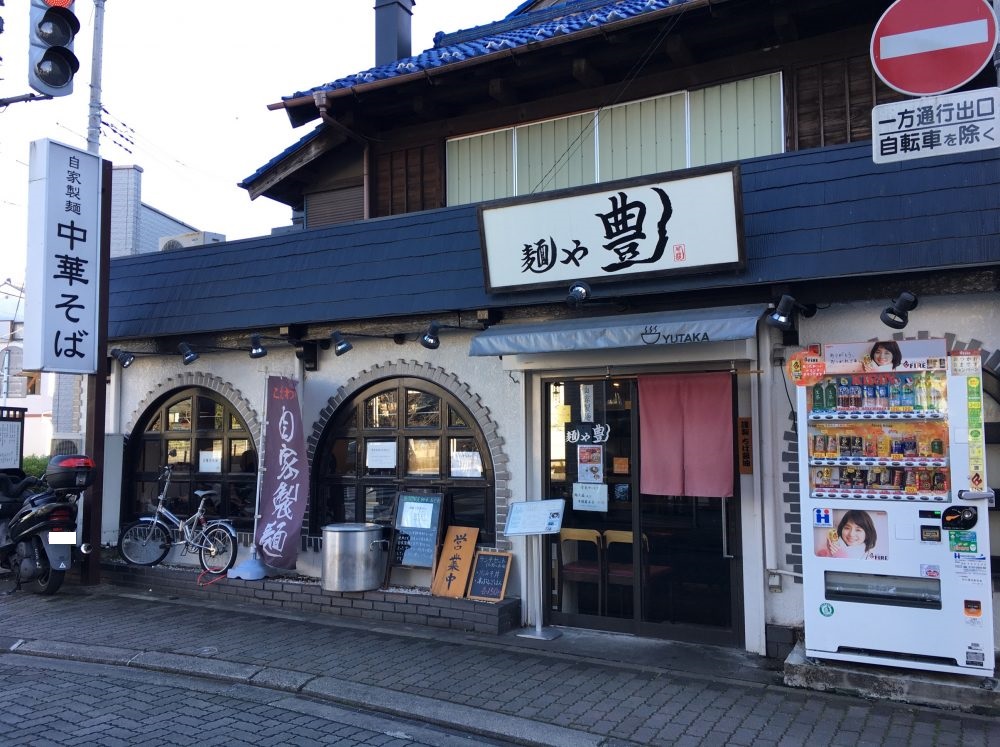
(926, 47)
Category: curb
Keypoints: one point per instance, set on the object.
(342, 692)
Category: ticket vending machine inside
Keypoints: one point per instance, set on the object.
(896, 557)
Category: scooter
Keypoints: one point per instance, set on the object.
(38, 522)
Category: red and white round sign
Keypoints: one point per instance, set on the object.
(927, 47)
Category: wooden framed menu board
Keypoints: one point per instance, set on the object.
(490, 572)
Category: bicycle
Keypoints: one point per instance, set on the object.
(148, 540)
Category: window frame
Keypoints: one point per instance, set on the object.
(335, 485)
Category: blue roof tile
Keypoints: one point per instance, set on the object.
(518, 29)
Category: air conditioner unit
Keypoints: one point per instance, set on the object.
(194, 238)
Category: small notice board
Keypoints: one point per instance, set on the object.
(535, 517)
(417, 527)
(490, 572)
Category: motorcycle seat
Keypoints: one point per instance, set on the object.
(9, 506)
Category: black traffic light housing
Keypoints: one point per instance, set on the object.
(51, 62)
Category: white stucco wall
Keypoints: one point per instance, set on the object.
(477, 379)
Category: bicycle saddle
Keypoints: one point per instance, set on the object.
(203, 493)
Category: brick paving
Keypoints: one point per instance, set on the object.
(478, 683)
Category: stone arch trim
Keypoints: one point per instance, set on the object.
(446, 380)
(791, 495)
(205, 381)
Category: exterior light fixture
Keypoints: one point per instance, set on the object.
(340, 345)
(189, 355)
(257, 350)
(430, 339)
(123, 357)
(783, 316)
(578, 293)
(896, 315)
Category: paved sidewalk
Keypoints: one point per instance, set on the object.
(582, 689)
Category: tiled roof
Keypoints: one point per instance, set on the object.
(518, 29)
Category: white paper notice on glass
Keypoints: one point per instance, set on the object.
(380, 455)
(417, 515)
(590, 497)
(535, 517)
(210, 461)
(466, 464)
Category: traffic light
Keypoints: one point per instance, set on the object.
(51, 62)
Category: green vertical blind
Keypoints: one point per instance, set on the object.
(727, 122)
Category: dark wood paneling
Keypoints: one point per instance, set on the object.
(832, 101)
(408, 179)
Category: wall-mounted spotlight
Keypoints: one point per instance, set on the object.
(340, 345)
(257, 349)
(123, 357)
(578, 293)
(189, 355)
(783, 316)
(896, 315)
(430, 339)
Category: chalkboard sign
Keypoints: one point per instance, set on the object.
(489, 576)
(417, 528)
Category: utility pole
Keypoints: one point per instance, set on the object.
(96, 383)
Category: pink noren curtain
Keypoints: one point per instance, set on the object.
(686, 434)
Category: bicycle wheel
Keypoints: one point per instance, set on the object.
(217, 553)
(144, 543)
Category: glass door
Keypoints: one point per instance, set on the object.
(649, 564)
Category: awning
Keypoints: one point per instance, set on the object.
(631, 331)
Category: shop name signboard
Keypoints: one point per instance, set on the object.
(63, 271)
(936, 125)
(602, 232)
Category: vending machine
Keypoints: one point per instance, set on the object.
(895, 545)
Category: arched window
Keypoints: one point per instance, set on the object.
(402, 434)
(208, 443)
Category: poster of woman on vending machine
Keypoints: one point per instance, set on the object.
(854, 536)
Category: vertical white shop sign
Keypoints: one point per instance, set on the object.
(63, 269)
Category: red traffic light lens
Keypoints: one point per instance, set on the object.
(59, 3)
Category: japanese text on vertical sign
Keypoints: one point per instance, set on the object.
(285, 476)
(63, 273)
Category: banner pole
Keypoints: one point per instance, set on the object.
(253, 569)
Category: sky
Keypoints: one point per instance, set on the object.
(185, 86)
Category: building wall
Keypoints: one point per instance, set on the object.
(491, 394)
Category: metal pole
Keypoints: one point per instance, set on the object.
(94, 121)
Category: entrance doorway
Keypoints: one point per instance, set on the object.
(651, 551)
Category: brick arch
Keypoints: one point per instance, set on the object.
(790, 476)
(445, 380)
(187, 380)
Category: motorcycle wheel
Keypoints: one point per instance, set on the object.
(144, 543)
(48, 583)
(219, 555)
